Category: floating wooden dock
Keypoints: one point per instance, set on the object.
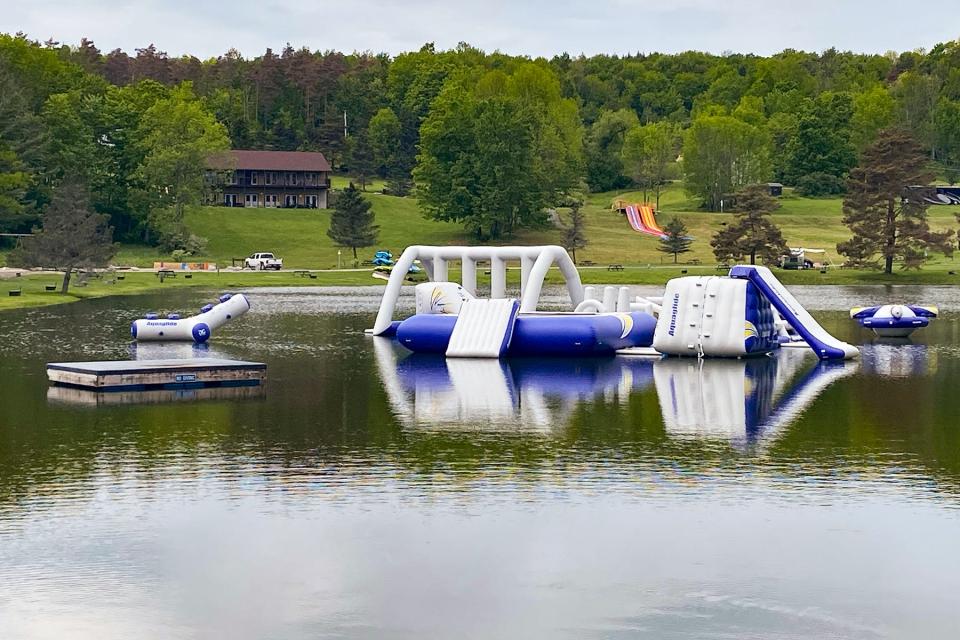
(70, 395)
(143, 375)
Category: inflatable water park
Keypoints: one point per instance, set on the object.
(747, 312)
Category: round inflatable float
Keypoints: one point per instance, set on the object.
(894, 320)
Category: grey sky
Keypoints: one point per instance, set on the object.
(534, 27)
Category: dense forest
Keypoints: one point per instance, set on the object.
(488, 139)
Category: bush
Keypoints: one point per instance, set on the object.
(820, 184)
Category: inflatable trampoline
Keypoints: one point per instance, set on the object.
(894, 320)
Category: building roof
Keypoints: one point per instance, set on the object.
(270, 160)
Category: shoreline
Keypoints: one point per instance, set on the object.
(32, 285)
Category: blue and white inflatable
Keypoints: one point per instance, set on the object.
(894, 320)
(196, 328)
(712, 316)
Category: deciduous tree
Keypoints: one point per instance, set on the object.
(722, 154)
(647, 154)
(178, 136)
(73, 236)
(822, 140)
(605, 169)
(495, 153)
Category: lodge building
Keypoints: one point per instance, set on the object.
(271, 179)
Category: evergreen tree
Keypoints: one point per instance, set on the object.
(351, 223)
(72, 236)
(359, 159)
(675, 239)
(574, 236)
(752, 233)
(881, 213)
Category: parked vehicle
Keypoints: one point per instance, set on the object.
(262, 261)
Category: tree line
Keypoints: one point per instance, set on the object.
(490, 140)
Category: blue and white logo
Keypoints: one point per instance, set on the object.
(201, 332)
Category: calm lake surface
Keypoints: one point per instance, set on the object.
(365, 493)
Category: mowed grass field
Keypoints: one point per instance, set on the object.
(299, 236)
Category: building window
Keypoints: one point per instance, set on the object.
(251, 200)
(253, 177)
(231, 177)
(230, 199)
(311, 202)
(289, 201)
(268, 177)
(270, 200)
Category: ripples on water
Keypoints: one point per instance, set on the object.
(364, 492)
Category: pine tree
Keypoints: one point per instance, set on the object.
(880, 211)
(72, 236)
(753, 233)
(675, 239)
(351, 224)
(359, 159)
(573, 233)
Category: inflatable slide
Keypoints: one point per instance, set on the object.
(642, 219)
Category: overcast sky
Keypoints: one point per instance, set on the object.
(532, 27)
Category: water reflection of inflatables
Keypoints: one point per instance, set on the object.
(742, 399)
(530, 393)
(898, 358)
(732, 399)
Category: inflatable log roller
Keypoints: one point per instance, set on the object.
(197, 328)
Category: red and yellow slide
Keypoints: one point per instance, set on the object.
(641, 218)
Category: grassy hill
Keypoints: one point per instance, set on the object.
(299, 236)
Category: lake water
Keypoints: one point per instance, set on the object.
(364, 493)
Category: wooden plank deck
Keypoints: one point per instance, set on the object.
(71, 395)
(133, 375)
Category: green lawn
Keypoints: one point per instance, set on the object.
(299, 237)
(33, 286)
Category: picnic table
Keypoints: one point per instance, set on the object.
(587, 263)
(614, 267)
(165, 273)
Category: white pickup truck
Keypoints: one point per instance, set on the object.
(262, 261)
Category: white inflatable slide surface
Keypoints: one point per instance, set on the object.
(823, 344)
